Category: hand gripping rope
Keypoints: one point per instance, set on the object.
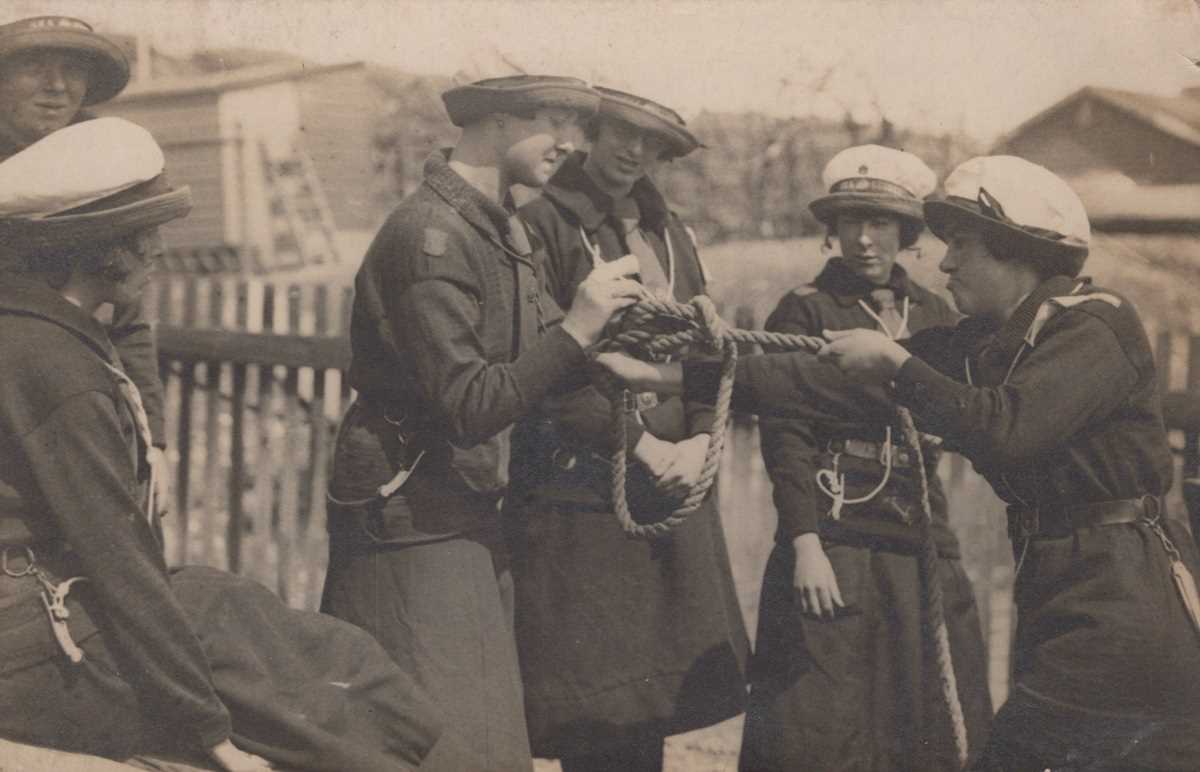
(654, 327)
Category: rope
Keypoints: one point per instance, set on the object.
(655, 327)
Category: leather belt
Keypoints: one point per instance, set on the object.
(902, 457)
(1063, 521)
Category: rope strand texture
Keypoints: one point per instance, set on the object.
(653, 328)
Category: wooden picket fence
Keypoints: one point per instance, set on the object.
(253, 372)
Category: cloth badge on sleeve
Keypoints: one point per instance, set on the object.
(435, 242)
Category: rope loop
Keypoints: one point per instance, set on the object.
(655, 329)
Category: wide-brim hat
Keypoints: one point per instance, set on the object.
(146, 205)
(873, 178)
(518, 94)
(1018, 207)
(109, 71)
(650, 116)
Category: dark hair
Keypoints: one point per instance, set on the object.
(113, 260)
(910, 229)
(1045, 262)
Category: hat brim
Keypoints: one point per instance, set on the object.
(941, 215)
(679, 140)
(467, 104)
(97, 227)
(109, 73)
(827, 208)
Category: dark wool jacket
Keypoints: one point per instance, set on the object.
(134, 338)
(70, 451)
(1078, 420)
(450, 328)
(795, 450)
(571, 203)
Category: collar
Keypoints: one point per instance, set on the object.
(574, 190)
(29, 297)
(847, 287)
(1011, 335)
(495, 220)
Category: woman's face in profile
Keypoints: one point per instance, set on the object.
(139, 256)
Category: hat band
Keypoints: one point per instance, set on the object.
(988, 206)
(870, 185)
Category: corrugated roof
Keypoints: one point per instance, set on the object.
(1177, 116)
(245, 77)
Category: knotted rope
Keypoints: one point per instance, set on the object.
(655, 327)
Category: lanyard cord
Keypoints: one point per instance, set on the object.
(597, 259)
(832, 482)
(898, 334)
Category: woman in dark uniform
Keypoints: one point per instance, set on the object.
(101, 651)
(1049, 387)
(622, 642)
(841, 677)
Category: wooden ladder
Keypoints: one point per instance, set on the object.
(302, 227)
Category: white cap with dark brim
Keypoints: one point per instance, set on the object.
(1011, 199)
(873, 178)
(117, 187)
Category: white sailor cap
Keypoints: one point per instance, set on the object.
(1010, 197)
(88, 183)
(874, 178)
(76, 165)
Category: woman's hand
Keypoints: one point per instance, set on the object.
(866, 354)
(233, 759)
(675, 466)
(813, 577)
(661, 378)
(605, 291)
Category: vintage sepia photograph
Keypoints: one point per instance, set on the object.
(599, 385)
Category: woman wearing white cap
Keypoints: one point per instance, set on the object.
(1049, 388)
(101, 650)
(841, 677)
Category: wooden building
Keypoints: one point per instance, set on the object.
(278, 156)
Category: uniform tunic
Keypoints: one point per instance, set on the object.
(621, 640)
(858, 691)
(134, 339)
(1057, 408)
(451, 344)
(172, 665)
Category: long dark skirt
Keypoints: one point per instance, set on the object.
(860, 692)
(1107, 664)
(443, 610)
(622, 640)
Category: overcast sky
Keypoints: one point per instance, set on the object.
(980, 65)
